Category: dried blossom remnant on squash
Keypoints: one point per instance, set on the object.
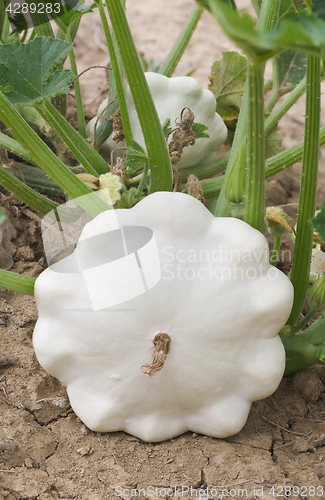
(161, 344)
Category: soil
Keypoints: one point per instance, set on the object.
(47, 453)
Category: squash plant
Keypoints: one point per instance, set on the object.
(178, 330)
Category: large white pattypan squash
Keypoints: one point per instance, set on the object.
(164, 319)
(171, 96)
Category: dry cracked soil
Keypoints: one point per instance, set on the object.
(46, 452)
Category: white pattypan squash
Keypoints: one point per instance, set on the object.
(171, 96)
(164, 319)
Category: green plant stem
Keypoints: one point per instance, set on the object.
(36, 179)
(212, 187)
(116, 69)
(41, 23)
(309, 316)
(84, 152)
(160, 167)
(300, 269)
(255, 184)
(221, 206)
(47, 160)
(143, 177)
(76, 84)
(25, 193)
(275, 252)
(169, 65)
(14, 147)
(106, 127)
(17, 282)
(307, 348)
(206, 171)
(268, 15)
(265, 21)
(273, 165)
(214, 168)
(282, 109)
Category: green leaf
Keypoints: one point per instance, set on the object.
(289, 9)
(19, 21)
(306, 33)
(227, 83)
(136, 158)
(166, 126)
(291, 68)
(131, 197)
(69, 13)
(273, 143)
(319, 8)
(319, 222)
(199, 130)
(27, 69)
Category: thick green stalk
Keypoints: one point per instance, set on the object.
(307, 348)
(41, 22)
(273, 165)
(299, 273)
(17, 282)
(24, 193)
(268, 15)
(169, 65)
(84, 152)
(46, 159)
(265, 22)
(116, 68)
(160, 167)
(255, 184)
(76, 84)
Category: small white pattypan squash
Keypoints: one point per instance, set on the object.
(164, 319)
(171, 96)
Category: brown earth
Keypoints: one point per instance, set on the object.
(47, 453)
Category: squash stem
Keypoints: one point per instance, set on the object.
(275, 252)
(84, 152)
(116, 69)
(25, 193)
(169, 65)
(76, 84)
(255, 184)
(307, 348)
(46, 159)
(273, 165)
(160, 167)
(299, 273)
(267, 19)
